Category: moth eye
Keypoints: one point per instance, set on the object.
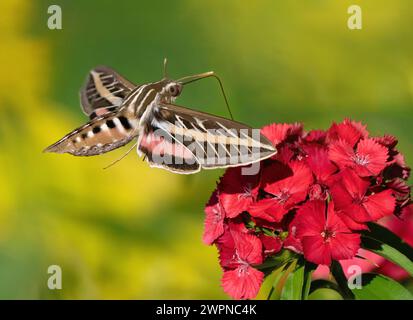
(174, 90)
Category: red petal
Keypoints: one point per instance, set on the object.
(269, 209)
(272, 245)
(278, 133)
(341, 153)
(344, 245)
(276, 171)
(316, 136)
(242, 283)
(376, 155)
(237, 191)
(392, 270)
(249, 247)
(350, 182)
(284, 154)
(234, 204)
(237, 224)
(301, 179)
(380, 205)
(341, 197)
(226, 248)
(316, 250)
(349, 131)
(233, 181)
(214, 220)
(294, 187)
(319, 163)
(350, 223)
(310, 219)
(334, 223)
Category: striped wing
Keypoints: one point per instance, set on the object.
(213, 142)
(162, 151)
(104, 91)
(102, 134)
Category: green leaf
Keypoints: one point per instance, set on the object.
(383, 234)
(308, 272)
(341, 280)
(279, 280)
(388, 252)
(323, 284)
(325, 294)
(274, 262)
(379, 287)
(297, 284)
(277, 277)
(293, 286)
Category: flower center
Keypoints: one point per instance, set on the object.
(243, 269)
(328, 234)
(282, 196)
(360, 159)
(358, 200)
(242, 264)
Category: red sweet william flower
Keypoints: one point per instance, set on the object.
(348, 131)
(324, 236)
(312, 197)
(278, 133)
(214, 220)
(240, 279)
(237, 191)
(369, 159)
(349, 193)
(287, 184)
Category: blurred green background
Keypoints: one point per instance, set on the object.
(135, 232)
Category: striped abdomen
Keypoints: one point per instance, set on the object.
(99, 135)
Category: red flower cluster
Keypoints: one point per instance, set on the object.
(313, 197)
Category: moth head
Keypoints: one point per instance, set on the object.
(173, 89)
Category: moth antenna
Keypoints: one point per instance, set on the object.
(165, 64)
(117, 160)
(225, 96)
(189, 79)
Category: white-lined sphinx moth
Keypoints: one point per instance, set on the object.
(171, 137)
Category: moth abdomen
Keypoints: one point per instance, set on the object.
(98, 136)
